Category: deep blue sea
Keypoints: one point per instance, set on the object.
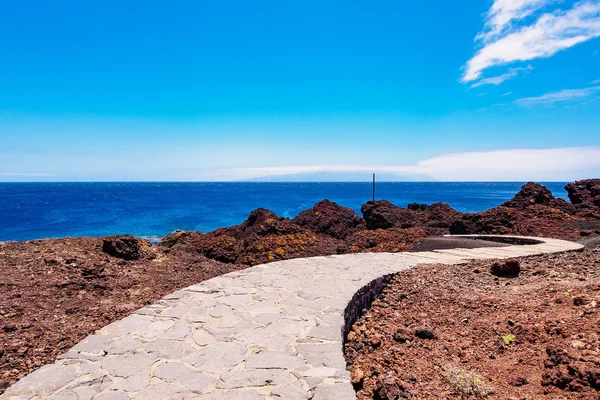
(49, 210)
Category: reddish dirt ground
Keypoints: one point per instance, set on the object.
(437, 318)
(56, 292)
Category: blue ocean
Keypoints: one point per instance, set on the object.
(151, 210)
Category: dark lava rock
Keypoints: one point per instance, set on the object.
(500, 220)
(530, 193)
(435, 218)
(584, 192)
(507, 268)
(424, 333)
(262, 238)
(381, 214)
(330, 219)
(387, 388)
(585, 195)
(126, 247)
(518, 381)
(580, 301)
(401, 335)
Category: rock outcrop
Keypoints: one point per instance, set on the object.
(585, 195)
(435, 218)
(530, 194)
(328, 228)
(331, 219)
(262, 238)
(126, 247)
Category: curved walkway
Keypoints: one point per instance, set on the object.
(273, 331)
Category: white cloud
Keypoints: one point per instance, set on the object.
(560, 164)
(504, 12)
(497, 80)
(552, 98)
(596, 82)
(550, 33)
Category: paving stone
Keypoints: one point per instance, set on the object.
(326, 332)
(291, 391)
(281, 321)
(335, 392)
(44, 382)
(202, 338)
(218, 358)
(250, 378)
(124, 345)
(165, 391)
(274, 359)
(93, 344)
(133, 383)
(128, 366)
(169, 349)
(232, 395)
(175, 312)
(323, 355)
(183, 376)
(180, 331)
(154, 329)
(111, 396)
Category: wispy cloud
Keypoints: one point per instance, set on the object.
(560, 164)
(503, 12)
(497, 80)
(566, 95)
(504, 41)
(597, 81)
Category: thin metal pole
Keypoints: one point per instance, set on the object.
(373, 187)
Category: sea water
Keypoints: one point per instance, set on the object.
(151, 210)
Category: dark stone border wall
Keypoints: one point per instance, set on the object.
(362, 300)
(505, 239)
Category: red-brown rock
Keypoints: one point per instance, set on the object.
(330, 219)
(126, 247)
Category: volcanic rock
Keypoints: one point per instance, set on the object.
(507, 268)
(387, 388)
(584, 192)
(178, 236)
(331, 219)
(381, 214)
(262, 238)
(435, 218)
(386, 240)
(126, 247)
(530, 193)
(585, 195)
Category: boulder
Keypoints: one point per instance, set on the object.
(330, 219)
(508, 268)
(126, 247)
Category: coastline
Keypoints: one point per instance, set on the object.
(58, 291)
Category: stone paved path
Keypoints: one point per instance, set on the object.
(273, 331)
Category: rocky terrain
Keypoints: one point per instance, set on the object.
(56, 292)
(329, 228)
(518, 329)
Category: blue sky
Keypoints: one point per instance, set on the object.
(194, 90)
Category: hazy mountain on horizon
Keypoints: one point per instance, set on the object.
(342, 177)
